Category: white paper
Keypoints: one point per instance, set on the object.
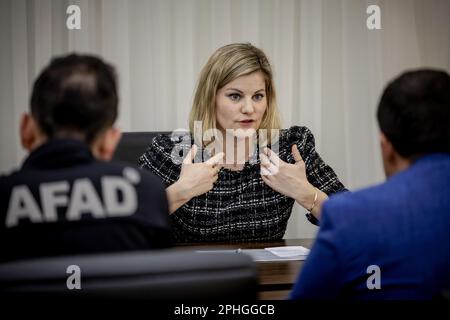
(263, 255)
(269, 254)
(289, 251)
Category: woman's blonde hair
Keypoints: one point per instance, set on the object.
(226, 64)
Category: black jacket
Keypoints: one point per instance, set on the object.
(64, 201)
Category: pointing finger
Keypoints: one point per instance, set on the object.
(191, 155)
(273, 157)
(264, 159)
(216, 159)
(296, 154)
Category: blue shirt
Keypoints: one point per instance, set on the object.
(401, 227)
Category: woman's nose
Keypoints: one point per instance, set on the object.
(248, 106)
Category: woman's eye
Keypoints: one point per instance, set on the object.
(234, 97)
(258, 97)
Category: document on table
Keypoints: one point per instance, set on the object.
(289, 251)
(270, 254)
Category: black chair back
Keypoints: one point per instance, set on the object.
(165, 275)
(133, 144)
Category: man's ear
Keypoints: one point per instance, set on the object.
(387, 149)
(30, 134)
(389, 154)
(105, 145)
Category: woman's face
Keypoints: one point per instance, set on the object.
(241, 103)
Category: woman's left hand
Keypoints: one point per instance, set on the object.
(288, 179)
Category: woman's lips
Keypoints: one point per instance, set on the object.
(246, 123)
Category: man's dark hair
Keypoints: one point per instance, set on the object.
(414, 113)
(75, 94)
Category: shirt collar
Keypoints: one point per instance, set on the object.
(58, 153)
(431, 157)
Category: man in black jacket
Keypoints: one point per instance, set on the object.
(67, 198)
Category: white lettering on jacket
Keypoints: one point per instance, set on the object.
(119, 199)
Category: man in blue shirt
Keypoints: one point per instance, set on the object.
(392, 241)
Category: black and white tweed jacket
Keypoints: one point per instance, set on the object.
(240, 207)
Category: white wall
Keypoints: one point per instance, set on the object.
(329, 68)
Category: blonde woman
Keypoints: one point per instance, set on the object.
(235, 186)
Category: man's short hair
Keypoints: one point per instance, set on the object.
(75, 94)
(414, 112)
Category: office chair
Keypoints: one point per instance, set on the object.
(133, 144)
(165, 275)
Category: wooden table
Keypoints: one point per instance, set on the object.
(275, 278)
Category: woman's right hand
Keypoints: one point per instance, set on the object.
(198, 178)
